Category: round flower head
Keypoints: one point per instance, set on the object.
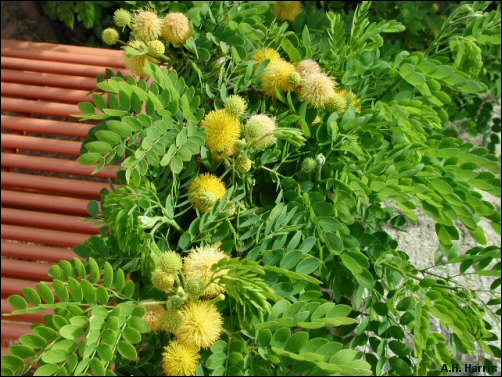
(122, 18)
(170, 262)
(276, 76)
(317, 89)
(242, 164)
(194, 286)
(171, 320)
(175, 302)
(154, 316)
(199, 263)
(176, 28)
(162, 280)
(337, 103)
(200, 186)
(287, 10)
(156, 48)
(110, 36)
(266, 53)
(309, 165)
(180, 360)
(307, 67)
(236, 105)
(223, 130)
(136, 64)
(259, 130)
(146, 25)
(202, 324)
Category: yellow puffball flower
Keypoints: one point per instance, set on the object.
(223, 130)
(276, 76)
(203, 184)
(122, 18)
(287, 10)
(202, 324)
(170, 262)
(308, 67)
(338, 103)
(136, 64)
(110, 36)
(161, 280)
(180, 360)
(154, 316)
(317, 89)
(266, 53)
(156, 48)
(146, 24)
(259, 130)
(176, 28)
(199, 263)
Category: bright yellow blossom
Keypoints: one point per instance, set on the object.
(223, 130)
(203, 184)
(202, 324)
(180, 360)
(276, 76)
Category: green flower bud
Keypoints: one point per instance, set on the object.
(194, 286)
(175, 302)
(242, 164)
(321, 160)
(162, 280)
(240, 144)
(156, 48)
(122, 18)
(236, 105)
(253, 131)
(295, 79)
(171, 320)
(110, 36)
(309, 165)
(208, 199)
(170, 262)
(259, 131)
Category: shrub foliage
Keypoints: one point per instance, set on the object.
(344, 127)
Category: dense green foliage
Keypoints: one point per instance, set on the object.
(313, 283)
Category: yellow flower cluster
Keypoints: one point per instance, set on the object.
(147, 27)
(313, 86)
(189, 315)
